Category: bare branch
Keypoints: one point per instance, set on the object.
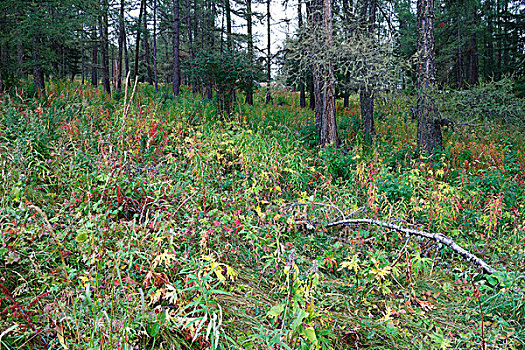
(439, 237)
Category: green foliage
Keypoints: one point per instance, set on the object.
(226, 71)
(168, 228)
(394, 188)
(338, 164)
(487, 102)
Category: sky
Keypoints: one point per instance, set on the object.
(283, 22)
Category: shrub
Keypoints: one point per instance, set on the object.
(493, 100)
(394, 188)
(337, 163)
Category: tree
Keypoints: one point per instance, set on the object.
(147, 52)
(268, 53)
(137, 41)
(155, 68)
(104, 45)
(351, 52)
(176, 43)
(302, 95)
(366, 93)
(121, 43)
(429, 137)
(329, 134)
(249, 25)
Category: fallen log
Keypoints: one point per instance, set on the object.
(438, 237)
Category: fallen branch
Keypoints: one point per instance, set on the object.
(438, 237)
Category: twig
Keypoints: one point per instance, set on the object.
(290, 206)
(439, 237)
(53, 235)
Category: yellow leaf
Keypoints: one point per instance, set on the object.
(231, 273)
(60, 335)
(218, 272)
(352, 264)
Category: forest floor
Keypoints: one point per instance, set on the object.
(139, 221)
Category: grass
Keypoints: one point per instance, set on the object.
(151, 223)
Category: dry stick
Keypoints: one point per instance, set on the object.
(53, 234)
(476, 292)
(290, 206)
(439, 237)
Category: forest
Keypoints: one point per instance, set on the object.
(262, 174)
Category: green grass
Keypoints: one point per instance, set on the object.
(168, 228)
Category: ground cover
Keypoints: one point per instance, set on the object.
(139, 221)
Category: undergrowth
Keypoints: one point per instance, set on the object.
(151, 223)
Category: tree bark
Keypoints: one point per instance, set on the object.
(211, 42)
(228, 9)
(311, 92)
(490, 40)
(82, 68)
(314, 10)
(366, 98)
(38, 73)
(94, 57)
(429, 137)
(302, 94)
(20, 52)
(460, 58)
(137, 42)
(121, 36)
(190, 48)
(268, 54)
(329, 134)
(346, 97)
(473, 50)
(438, 237)
(318, 100)
(147, 59)
(155, 45)
(176, 44)
(249, 24)
(104, 47)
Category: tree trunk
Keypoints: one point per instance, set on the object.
(366, 96)
(314, 9)
(155, 45)
(104, 47)
(318, 100)
(227, 7)
(366, 99)
(268, 54)
(473, 51)
(460, 58)
(94, 57)
(346, 97)
(190, 47)
(429, 137)
(120, 45)
(249, 23)
(311, 94)
(137, 42)
(20, 54)
(38, 73)
(176, 43)
(82, 64)
(302, 94)
(329, 135)
(210, 21)
(146, 45)
(1, 70)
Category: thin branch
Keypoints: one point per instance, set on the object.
(439, 237)
(290, 206)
